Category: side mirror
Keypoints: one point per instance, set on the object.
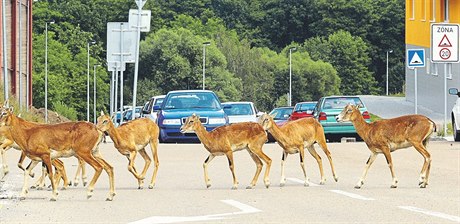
(454, 91)
(156, 107)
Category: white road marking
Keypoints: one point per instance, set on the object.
(432, 213)
(296, 180)
(351, 195)
(245, 209)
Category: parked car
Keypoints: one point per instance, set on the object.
(280, 116)
(329, 107)
(240, 112)
(148, 110)
(456, 115)
(119, 112)
(180, 104)
(128, 114)
(303, 109)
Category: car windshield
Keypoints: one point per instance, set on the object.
(281, 113)
(159, 101)
(341, 102)
(300, 107)
(239, 109)
(192, 100)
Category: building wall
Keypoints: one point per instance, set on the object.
(19, 48)
(420, 14)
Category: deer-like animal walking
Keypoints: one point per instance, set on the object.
(225, 140)
(386, 136)
(294, 137)
(47, 142)
(132, 138)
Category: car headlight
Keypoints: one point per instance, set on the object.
(171, 121)
(216, 121)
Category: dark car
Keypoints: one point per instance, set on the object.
(180, 104)
(329, 107)
(303, 109)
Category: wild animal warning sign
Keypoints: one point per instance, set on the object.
(445, 42)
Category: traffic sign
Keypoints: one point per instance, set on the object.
(121, 44)
(416, 58)
(145, 19)
(444, 42)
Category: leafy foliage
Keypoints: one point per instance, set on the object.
(62, 109)
(341, 47)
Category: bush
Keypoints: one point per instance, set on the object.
(65, 111)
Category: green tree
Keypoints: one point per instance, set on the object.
(349, 56)
(172, 58)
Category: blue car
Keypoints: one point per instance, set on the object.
(180, 104)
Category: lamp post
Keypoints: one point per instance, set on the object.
(390, 51)
(204, 59)
(290, 75)
(46, 69)
(91, 42)
(95, 66)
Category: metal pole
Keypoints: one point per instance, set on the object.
(28, 53)
(387, 76)
(204, 63)
(415, 89)
(121, 73)
(290, 78)
(390, 51)
(20, 54)
(115, 104)
(445, 98)
(46, 72)
(5, 60)
(112, 80)
(94, 95)
(136, 63)
(87, 85)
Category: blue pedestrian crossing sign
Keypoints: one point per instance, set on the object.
(416, 58)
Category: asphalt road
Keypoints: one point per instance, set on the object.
(390, 107)
(181, 196)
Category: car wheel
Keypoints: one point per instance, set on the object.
(455, 131)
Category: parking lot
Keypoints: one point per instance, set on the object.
(181, 196)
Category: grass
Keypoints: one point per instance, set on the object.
(440, 131)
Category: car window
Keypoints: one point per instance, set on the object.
(239, 109)
(281, 113)
(304, 106)
(192, 100)
(340, 103)
(159, 101)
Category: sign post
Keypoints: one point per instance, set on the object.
(445, 49)
(415, 58)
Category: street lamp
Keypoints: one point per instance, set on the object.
(204, 59)
(46, 69)
(290, 74)
(91, 42)
(390, 51)
(95, 66)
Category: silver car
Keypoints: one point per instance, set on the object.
(456, 114)
(148, 110)
(240, 112)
